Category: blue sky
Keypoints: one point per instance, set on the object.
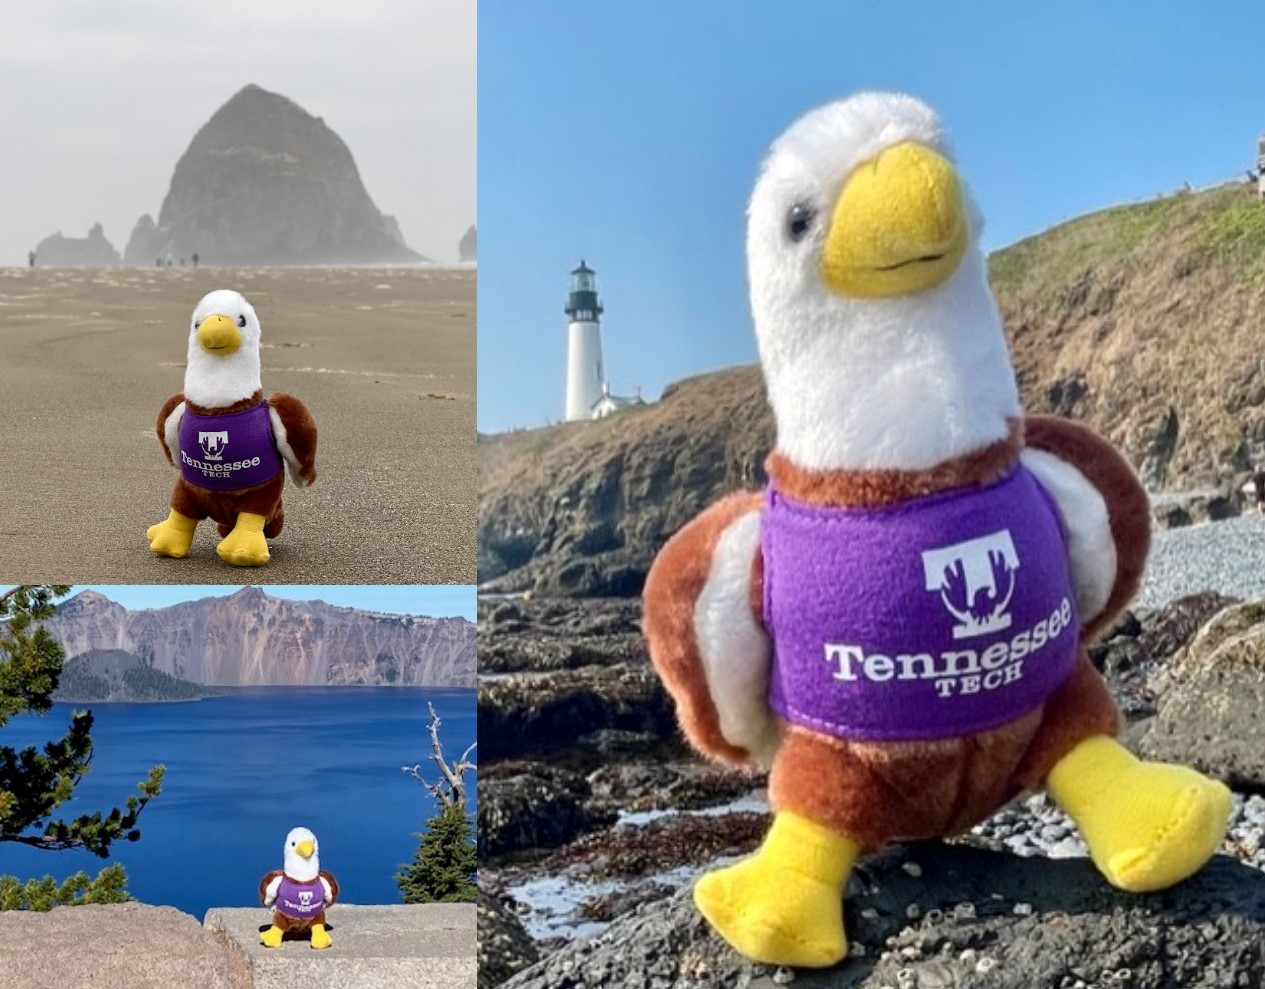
(437, 602)
(630, 134)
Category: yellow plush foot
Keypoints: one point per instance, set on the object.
(245, 546)
(173, 536)
(271, 937)
(320, 939)
(1148, 825)
(784, 904)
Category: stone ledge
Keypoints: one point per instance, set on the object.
(123, 946)
(428, 946)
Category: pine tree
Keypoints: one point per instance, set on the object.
(34, 784)
(443, 869)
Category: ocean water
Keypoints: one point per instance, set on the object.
(245, 768)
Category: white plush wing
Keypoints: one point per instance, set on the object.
(702, 625)
(171, 432)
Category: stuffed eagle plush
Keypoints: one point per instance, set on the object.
(228, 442)
(897, 625)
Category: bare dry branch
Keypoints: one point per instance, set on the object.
(450, 791)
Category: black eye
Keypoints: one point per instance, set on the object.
(799, 221)
(241, 321)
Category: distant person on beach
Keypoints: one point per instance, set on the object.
(182, 262)
(30, 256)
(195, 259)
(169, 259)
(158, 262)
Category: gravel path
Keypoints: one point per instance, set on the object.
(1213, 556)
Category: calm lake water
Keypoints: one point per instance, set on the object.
(245, 768)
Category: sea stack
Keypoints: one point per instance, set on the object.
(265, 182)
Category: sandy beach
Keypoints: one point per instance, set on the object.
(384, 359)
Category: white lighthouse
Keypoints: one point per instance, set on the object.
(586, 380)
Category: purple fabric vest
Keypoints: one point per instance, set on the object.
(228, 452)
(935, 618)
(300, 901)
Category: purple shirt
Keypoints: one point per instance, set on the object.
(934, 618)
(228, 452)
(300, 901)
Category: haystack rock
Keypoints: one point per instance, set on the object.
(468, 249)
(92, 251)
(265, 182)
(252, 639)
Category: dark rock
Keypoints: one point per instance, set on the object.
(559, 634)
(1170, 515)
(1209, 714)
(681, 784)
(668, 842)
(93, 251)
(1136, 653)
(504, 947)
(527, 713)
(986, 919)
(541, 808)
(265, 182)
(468, 249)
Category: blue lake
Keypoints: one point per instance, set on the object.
(245, 768)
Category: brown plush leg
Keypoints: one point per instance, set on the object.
(186, 500)
(276, 523)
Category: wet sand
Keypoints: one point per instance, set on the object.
(384, 359)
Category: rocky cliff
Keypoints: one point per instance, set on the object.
(93, 251)
(582, 508)
(265, 182)
(1141, 320)
(251, 639)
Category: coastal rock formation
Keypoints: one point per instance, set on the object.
(93, 251)
(504, 947)
(581, 509)
(543, 807)
(1210, 714)
(521, 713)
(935, 915)
(468, 249)
(251, 639)
(265, 182)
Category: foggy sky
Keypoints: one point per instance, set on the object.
(98, 101)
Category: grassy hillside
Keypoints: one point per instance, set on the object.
(1146, 320)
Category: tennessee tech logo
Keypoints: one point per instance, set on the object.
(305, 898)
(975, 581)
(213, 444)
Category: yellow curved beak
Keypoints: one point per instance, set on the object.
(898, 226)
(305, 849)
(219, 335)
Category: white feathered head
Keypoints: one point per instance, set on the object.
(223, 361)
(302, 855)
(880, 341)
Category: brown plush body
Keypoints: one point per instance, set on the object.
(877, 792)
(291, 927)
(198, 503)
